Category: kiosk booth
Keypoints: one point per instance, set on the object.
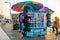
(40, 17)
(38, 24)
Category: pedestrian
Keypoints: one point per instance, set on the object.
(20, 22)
(56, 25)
(27, 22)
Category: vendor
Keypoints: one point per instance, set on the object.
(27, 22)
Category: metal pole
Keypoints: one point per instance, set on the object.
(10, 9)
(9, 6)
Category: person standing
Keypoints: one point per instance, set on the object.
(20, 22)
(27, 22)
(56, 25)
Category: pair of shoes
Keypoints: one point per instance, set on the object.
(56, 34)
(24, 34)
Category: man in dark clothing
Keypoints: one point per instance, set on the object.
(26, 22)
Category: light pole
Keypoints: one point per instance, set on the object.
(9, 9)
(9, 6)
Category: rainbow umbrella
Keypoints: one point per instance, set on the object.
(47, 9)
(27, 5)
(32, 5)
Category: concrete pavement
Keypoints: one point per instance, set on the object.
(3, 35)
(15, 35)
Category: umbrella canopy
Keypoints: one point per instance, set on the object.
(31, 5)
(47, 10)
